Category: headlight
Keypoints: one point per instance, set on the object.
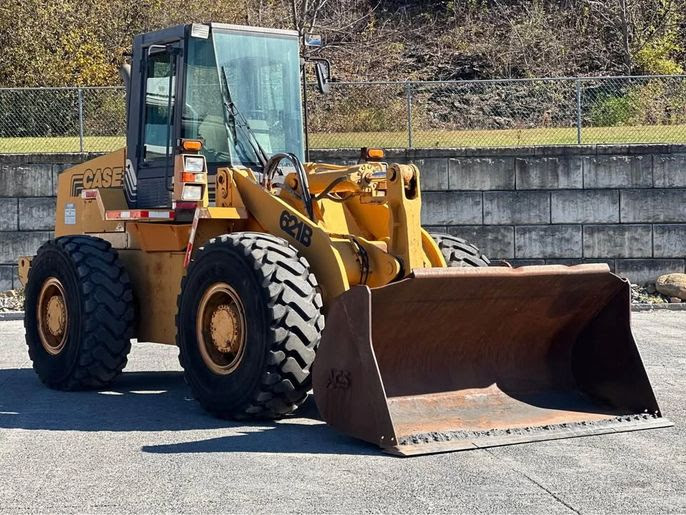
(194, 164)
(191, 192)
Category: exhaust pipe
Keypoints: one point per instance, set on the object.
(125, 74)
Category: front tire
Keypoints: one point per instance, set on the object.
(249, 321)
(79, 313)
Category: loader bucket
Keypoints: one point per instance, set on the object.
(462, 358)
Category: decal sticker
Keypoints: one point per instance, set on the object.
(70, 214)
(296, 228)
(130, 184)
(99, 178)
(338, 379)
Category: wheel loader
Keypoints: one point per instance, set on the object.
(275, 276)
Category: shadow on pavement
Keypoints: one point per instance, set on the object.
(279, 438)
(135, 401)
(157, 401)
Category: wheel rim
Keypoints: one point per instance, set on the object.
(221, 328)
(53, 317)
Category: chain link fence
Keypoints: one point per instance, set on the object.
(52, 120)
(500, 113)
(491, 113)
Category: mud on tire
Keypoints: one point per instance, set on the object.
(458, 252)
(283, 319)
(99, 313)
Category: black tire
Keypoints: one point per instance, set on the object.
(100, 313)
(458, 252)
(283, 320)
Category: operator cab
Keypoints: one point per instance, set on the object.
(237, 89)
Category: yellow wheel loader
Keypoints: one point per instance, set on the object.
(274, 276)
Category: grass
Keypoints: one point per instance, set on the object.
(60, 145)
(502, 138)
(421, 139)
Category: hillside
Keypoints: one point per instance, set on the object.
(83, 42)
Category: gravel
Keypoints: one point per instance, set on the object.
(649, 295)
(11, 300)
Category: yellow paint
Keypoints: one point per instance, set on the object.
(434, 256)
(156, 280)
(226, 193)
(209, 228)
(324, 259)
(404, 201)
(23, 269)
(366, 229)
(102, 173)
(225, 213)
(335, 217)
(160, 237)
(382, 267)
(118, 240)
(111, 199)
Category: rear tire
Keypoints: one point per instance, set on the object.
(79, 313)
(458, 252)
(249, 321)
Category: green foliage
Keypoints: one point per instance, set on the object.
(104, 112)
(611, 111)
(84, 59)
(365, 110)
(656, 57)
(654, 102)
(83, 42)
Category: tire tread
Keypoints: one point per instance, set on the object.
(458, 252)
(107, 312)
(294, 305)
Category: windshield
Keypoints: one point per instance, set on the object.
(262, 75)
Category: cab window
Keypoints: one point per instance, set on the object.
(159, 106)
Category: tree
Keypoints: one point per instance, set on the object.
(646, 31)
(83, 42)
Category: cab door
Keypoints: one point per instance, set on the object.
(154, 126)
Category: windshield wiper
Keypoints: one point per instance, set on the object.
(240, 121)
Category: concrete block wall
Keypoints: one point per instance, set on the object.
(624, 205)
(27, 207)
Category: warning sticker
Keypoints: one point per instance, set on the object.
(70, 214)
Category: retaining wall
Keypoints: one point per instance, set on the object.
(623, 205)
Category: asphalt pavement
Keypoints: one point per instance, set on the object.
(144, 445)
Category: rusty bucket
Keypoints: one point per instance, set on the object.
(461, 358)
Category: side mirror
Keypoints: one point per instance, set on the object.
(323, 71)
(313, 40)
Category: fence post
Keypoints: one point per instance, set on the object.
(80, 93)
(578, 111)
(408, 94)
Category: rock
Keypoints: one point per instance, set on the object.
(674, 300)
(672, 285)
(11, 300)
